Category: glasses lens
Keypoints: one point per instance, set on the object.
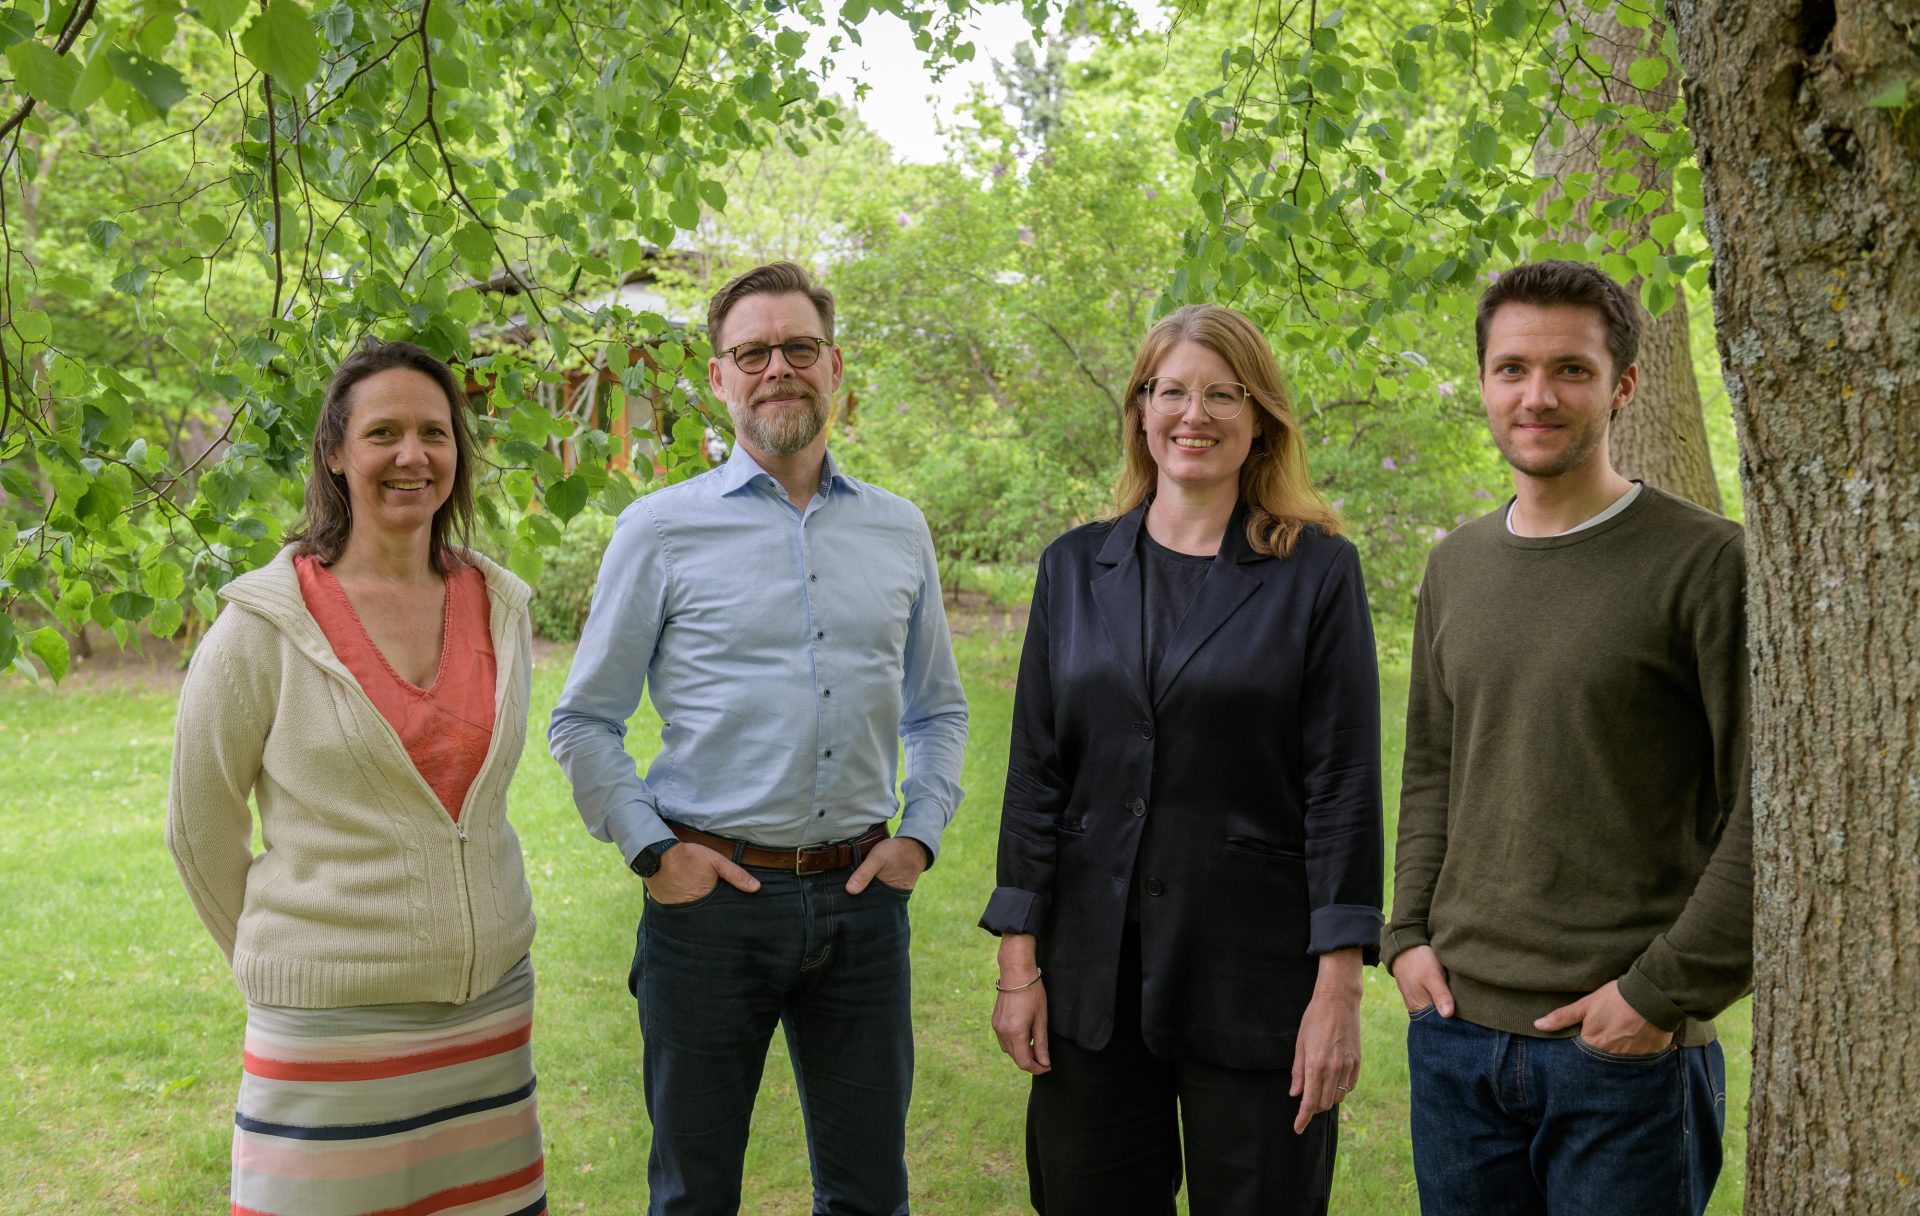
(752, 357)
(800, 353)
(1224, 400)
(1167, 396)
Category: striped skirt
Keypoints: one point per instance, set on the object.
(395, 1110)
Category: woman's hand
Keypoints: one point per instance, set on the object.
(1020, 1017)
(1326, 1056)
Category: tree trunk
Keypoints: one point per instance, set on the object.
(1661, 438)
(1812, 200)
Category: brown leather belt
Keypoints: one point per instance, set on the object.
(809, 859)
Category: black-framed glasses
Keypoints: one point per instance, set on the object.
(1222, 399)
(753, 357)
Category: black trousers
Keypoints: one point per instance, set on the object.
(1106, 1130)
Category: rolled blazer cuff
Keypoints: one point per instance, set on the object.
(1012, 910)
(1344, 927)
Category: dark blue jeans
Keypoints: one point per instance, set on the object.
(713, 977)
(1511, 1125)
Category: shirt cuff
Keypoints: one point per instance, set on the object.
(1344, 927)
(636, 827)
(924, 821)
(1012, 910)
(1649, 1002)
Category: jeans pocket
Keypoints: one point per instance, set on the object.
(1615, 1057)
(695, 902)
(902, 892)
(1425, 1011)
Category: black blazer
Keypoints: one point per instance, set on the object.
(1250, 791)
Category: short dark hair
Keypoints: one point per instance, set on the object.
(773, 279)
(1549, 283)
(327, 518)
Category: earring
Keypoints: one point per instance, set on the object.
(335, 472)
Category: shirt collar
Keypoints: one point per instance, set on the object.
(742, 470)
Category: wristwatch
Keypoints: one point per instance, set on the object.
(646, 863)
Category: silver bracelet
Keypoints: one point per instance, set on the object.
(1037, 973)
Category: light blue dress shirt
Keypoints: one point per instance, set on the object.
(785, 652)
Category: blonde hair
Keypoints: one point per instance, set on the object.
(1274, 483)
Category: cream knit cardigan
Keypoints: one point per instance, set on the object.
(365, 890)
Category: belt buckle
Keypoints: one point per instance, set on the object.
(801, 854)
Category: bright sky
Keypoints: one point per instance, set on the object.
(904, 103)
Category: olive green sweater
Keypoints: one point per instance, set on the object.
(1574, 807)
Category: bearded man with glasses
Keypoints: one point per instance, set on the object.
(788, 622)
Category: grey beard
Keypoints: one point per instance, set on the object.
(788, 434)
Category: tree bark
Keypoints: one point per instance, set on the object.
(1661, 438)
(1812, 202)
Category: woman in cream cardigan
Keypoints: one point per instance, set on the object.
(368, 688)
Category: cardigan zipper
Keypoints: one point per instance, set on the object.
(466, 890)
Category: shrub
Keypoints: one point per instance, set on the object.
(565, 589)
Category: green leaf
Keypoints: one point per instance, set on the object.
(17, 25)
(163, 580)
(41, 72)
(474, 244)
(566, 498)
(524, 560)
(715, 195)
(790, 43)
(32, 326)
(281, 43)
(129, 605)
(162, 87)
(1510, 18)
(1483, 144)
(1657, 296)
(1893, 97)
(684, 212)
(165, 621)
(219, 15)
(9, 645)
(50, 647)
(1666, 227)
(1648, 72)
(95, 79)
(101, 234)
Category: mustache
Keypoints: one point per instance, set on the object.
(784, 388)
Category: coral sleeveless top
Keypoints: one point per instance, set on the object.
(446, 726)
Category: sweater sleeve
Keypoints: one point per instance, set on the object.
(1036, 789)
(218, 738)
(1425, 780)
(1340, 754)
(1704, 962)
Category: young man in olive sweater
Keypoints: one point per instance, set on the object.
(1572, 889)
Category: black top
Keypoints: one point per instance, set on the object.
(1169, 579)
(1247, 786)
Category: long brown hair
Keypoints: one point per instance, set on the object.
(327, 518)
(1274, 484)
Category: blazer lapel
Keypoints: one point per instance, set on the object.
(1225, 588)
(1116, 596)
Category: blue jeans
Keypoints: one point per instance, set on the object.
(1512, 1125)
(714, 976)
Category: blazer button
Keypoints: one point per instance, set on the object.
(1154, 887)
(1138, 806)
(1146, 730)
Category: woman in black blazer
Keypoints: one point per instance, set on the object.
(1190, 846)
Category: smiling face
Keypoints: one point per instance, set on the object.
(779, 410)
(1193, 449)
(1550, 388)
(398, 456)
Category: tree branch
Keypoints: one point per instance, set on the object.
(76, 20)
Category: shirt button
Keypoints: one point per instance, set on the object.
(1154, 887)
(826, 692)
(813, 578)
(821, 813)
(828, 753)
(818, 634)
(1138, 806)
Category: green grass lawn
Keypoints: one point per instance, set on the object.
(123, 1050)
